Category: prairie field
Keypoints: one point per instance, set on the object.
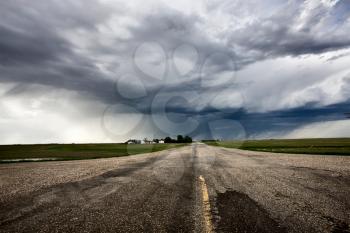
(324, 146)
(49, 152)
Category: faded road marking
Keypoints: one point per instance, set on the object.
(206, 206)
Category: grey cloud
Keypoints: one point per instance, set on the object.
(30, 31)
(282, 34)
(32, 49)
(18, 47)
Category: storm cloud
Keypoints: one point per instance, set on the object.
(268, 69)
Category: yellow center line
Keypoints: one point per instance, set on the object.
(206, 206)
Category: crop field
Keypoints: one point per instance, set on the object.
(329, 146)
(48, 152)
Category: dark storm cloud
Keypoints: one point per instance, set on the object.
(272, 124)
(172, 28)
(33, 51)
(30, 31)
(21, 47)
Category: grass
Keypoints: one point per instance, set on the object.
(329, 146)
(76, 151)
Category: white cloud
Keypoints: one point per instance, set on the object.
(331, 90)
(291, 82)
(46, 117)
(328, 129)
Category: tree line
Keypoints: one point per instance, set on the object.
(179, 139)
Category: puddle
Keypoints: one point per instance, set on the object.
(27, 160)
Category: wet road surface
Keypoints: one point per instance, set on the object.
(196, 188)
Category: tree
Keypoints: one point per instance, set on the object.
(168, 140)
(180, 139)
(188, 139)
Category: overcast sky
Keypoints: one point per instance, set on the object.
(109, 70)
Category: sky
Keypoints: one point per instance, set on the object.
(107, 70)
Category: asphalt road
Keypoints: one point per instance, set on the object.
(196, 188)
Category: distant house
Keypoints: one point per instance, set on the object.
(146, 141)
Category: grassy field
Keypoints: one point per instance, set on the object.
(21, 153)
(329, 146)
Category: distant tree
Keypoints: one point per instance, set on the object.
(168, 140)
(187, 139)
(156, 140)
(180, 139)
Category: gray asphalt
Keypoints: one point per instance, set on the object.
(161, 192)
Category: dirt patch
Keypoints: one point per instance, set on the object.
(341, 227)
(237, 212)
(338, 226)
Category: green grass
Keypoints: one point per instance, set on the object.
(329, 146)
(78, 151)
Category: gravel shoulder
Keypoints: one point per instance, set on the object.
(23, 178)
